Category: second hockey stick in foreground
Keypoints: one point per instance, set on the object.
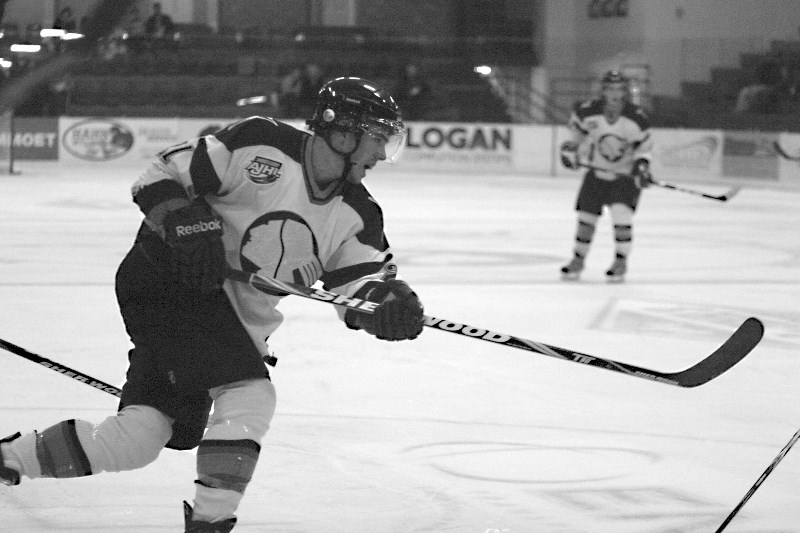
(719, 197)
(733, 350)
(760, 480)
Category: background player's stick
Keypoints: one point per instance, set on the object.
(784, 154)
(61, 369)
(743, 340)
(100, 23)
(760, 480)
(720, 198)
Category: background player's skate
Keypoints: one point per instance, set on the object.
(616, 272)
(572, 270)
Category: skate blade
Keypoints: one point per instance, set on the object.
(570, 276)
(615, 279)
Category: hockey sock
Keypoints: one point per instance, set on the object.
(73, 448)
(583, 238)
(623, 239)
(224, 469)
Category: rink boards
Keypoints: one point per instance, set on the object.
(713, 156)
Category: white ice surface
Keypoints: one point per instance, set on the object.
(445, 434)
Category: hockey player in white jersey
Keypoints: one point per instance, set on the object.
(260, 196)
(608, 133)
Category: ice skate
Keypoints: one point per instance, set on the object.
(616, 273)
(572, 270)
(8, 476)
(193, 526)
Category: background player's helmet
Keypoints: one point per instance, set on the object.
(615, 79)
(359, 106)
(614, 76)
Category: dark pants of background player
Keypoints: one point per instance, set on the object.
(184, 342)
(595, 193)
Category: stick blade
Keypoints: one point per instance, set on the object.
(730, 194)
(783, 153)
(733, 350)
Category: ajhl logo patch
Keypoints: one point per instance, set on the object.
(97, 140)
(263, 170)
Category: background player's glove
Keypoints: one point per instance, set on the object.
(194, 233)
(641, 173)
(397, 318)
(569, 154)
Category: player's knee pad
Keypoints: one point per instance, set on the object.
(227, 464)
(242, 410)
(130, 440)
(621, 214)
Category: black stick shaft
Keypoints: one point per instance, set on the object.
(743, 340)
(61, 369)
(760, 480)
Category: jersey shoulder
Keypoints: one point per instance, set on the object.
(362, 202)
(263, 131)
(588, 108)
(636, 114)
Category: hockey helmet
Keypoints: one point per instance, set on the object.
(613, 77)
(359, 106)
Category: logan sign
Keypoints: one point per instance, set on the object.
(458, 144)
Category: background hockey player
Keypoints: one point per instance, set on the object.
(263, 197)
(609, 133)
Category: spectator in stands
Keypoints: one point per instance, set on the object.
(412, 93)
(289, 93)
(158, 24)
(763, 96)
(66, 21)
(133, 24)
(3, 9)
(57, 96)
(311, 82)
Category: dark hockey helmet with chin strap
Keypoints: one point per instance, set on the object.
(614, 76)
(359, 106)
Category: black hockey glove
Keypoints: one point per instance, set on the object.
(397, 318)
(569, 154)
(641, 173)
(194, 233)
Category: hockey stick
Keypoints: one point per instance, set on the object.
(738, 345)
(721, 198)
(783, 153)
(61, 369)
(760, 480)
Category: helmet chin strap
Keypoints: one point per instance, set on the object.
(345, 155)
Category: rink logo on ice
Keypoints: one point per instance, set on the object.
(263, 170)
(97, 140)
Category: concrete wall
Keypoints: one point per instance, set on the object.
(678, 39)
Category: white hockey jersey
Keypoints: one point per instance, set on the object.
(612, 145)
(277, 221)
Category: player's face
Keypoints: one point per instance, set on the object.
(371, 149)
(614, 95)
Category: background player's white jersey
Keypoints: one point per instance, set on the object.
(277, 221)
(612, 145)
